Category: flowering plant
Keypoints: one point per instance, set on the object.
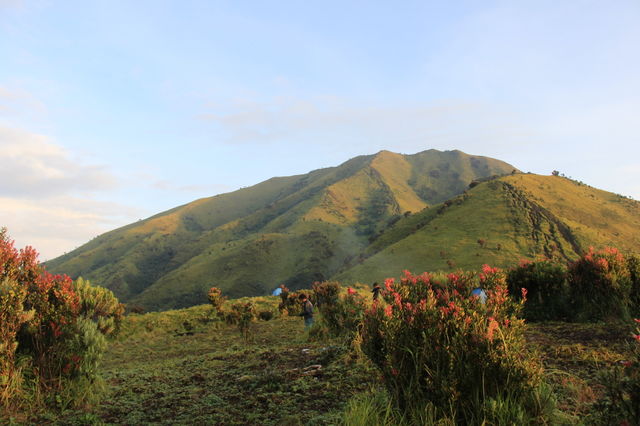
(600, 285)
(437, 345)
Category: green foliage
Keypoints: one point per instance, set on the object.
(53, 333)
(437, 347)
(242, 315)
(546, 287)
(622, 383)
(341, 315)
(217, 300)
(292, 230)
(99, 305)
(600, 286)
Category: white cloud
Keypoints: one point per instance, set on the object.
(19, 102)
(60, 223)
(32, 166)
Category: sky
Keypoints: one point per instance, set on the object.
(112, 111)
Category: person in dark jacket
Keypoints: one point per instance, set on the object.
(307, 310)
(376, 291)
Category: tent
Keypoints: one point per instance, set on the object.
(277, 292)
(480, 293)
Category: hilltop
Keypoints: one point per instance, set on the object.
(498, 222)
(291, 230)
(364, 220)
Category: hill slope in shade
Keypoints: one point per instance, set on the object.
(498, 222)
(293, 229)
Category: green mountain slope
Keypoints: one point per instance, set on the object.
(293, 229)
(499, 222)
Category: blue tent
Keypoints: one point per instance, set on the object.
(277, 292)
(480, 293)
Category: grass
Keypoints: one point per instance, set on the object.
(181, 367)
(158, 372)
(522, 216)
(178, 252)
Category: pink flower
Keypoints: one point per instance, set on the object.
(388, 311)
(493, 326)
(350, 291)
(388, 283)
(398, 300)
(524, 293)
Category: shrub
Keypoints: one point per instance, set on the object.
(56, 327)
(217, 300)
(242, 314)
(621, 404)
(326, 292)
(600, 285)
(292, 305)
(437, 347)
(633, 265)
(265, 315)
(547, 291)
(342, 315)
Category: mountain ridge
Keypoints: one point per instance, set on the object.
(328, 222)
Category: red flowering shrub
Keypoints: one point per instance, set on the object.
(325, 293)
(343, 315)
(57, 328)
(217, 300)
(546, 284)
(600, 286)
(437, 346)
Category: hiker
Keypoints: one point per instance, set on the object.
(307, 310)
(376, 291)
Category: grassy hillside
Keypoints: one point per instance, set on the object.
(499, 222)
(291, 230)
(179, 367)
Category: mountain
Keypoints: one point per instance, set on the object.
(498, 222)
(292, 230)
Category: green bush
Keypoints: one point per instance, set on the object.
(547, 290)
(242, 315)
(325, 293)
(55, 327)
(217, 300)
(440, 349)
(621, 404)
(633, 265)
(600, 286)
(342, 315)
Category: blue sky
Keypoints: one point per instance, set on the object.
(111, 111)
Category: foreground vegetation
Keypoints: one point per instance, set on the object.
(158, 372)
(432, 349)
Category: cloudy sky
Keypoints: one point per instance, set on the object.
(111, 111)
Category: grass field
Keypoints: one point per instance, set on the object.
(180, 367)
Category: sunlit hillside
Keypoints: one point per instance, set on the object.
(498, 222)
(291, 230)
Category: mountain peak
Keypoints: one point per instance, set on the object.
(292, 230)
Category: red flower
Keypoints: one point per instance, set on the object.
(350, 291)
(388, 283)
(388, 311)
(524, 292)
